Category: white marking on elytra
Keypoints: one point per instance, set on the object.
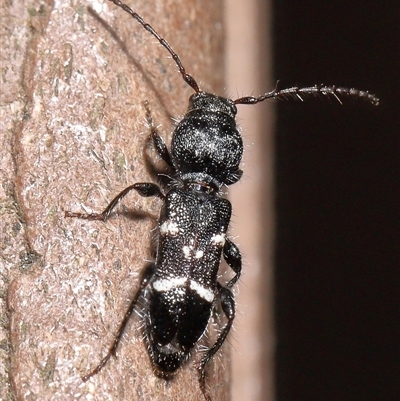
(218, 239)
(169, 227)
(203, 292)
(199, 254)
(187, 251)
(166, 284)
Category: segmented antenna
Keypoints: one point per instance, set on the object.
(316, 90)
(186, 77)
(283, 94)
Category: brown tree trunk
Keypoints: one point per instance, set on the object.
(73, 136)
(249, 71)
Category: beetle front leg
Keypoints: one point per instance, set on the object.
(159, 144)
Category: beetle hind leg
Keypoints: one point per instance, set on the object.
(228, 307)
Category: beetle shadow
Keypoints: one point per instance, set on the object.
(158, 171)
(135, 214)
(131, 59)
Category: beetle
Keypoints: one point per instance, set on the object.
(181, 288)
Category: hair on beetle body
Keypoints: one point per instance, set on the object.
(204, 155)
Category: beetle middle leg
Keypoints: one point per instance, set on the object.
(144, 189)
(233, 257)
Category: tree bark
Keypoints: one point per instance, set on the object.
(74, 79)
(249, 71)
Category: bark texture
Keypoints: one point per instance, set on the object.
(74, 76)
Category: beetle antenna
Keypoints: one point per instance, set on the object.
(316, 90)
(186, 77)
